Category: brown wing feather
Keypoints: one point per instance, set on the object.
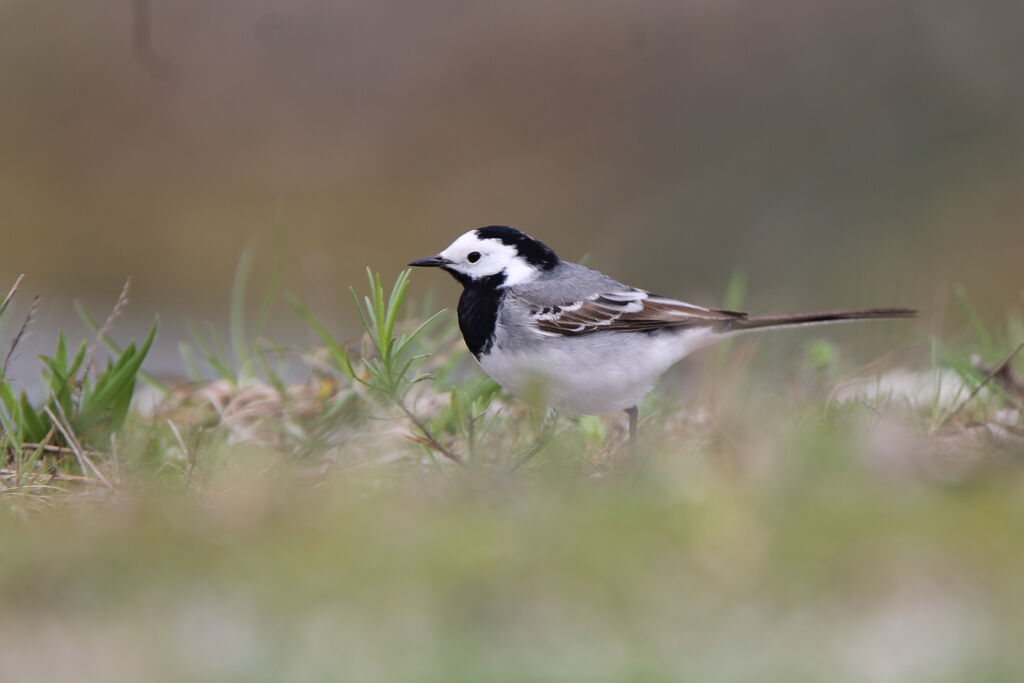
(628, 311)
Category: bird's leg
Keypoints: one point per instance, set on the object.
(632, 412)
(546, 430)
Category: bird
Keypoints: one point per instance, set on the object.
(577, 340)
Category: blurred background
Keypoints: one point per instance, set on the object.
(841, 154)
(838, 153)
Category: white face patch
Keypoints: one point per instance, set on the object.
(480, 258)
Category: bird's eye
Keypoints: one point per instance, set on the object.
(473, 256)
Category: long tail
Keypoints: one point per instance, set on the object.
(817, 318)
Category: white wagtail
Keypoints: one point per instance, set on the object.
(577, 339)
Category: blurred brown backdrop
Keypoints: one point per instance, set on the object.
(842, 153)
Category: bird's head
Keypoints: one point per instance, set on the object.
(497, 254)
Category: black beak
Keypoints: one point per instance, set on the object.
(430, 262)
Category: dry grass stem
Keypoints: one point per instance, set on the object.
(10, 295)
(62, 450)
(21, 334)
(1000, 366)
(1004, 376)
(428, 437)
(80, 454)
(108, 324)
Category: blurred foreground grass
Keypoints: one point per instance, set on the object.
(364, 524)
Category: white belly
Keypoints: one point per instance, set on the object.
(590, 374)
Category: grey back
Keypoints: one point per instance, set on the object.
(565, 283)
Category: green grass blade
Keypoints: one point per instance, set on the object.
(272, 376)
(189, 360)
(114, 389)
(34, 426)
(76, 362)
(210, 356)
(274, 286)
(61, 356)
(980, 330)
(395, 300)
(326, 338)
(239, 341)
(60, 384)
(401, 347)
(113, 348)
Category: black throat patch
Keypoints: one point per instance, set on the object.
(478, 311)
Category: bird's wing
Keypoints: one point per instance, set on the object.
(625, 310)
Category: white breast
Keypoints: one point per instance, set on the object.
(601, 372)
